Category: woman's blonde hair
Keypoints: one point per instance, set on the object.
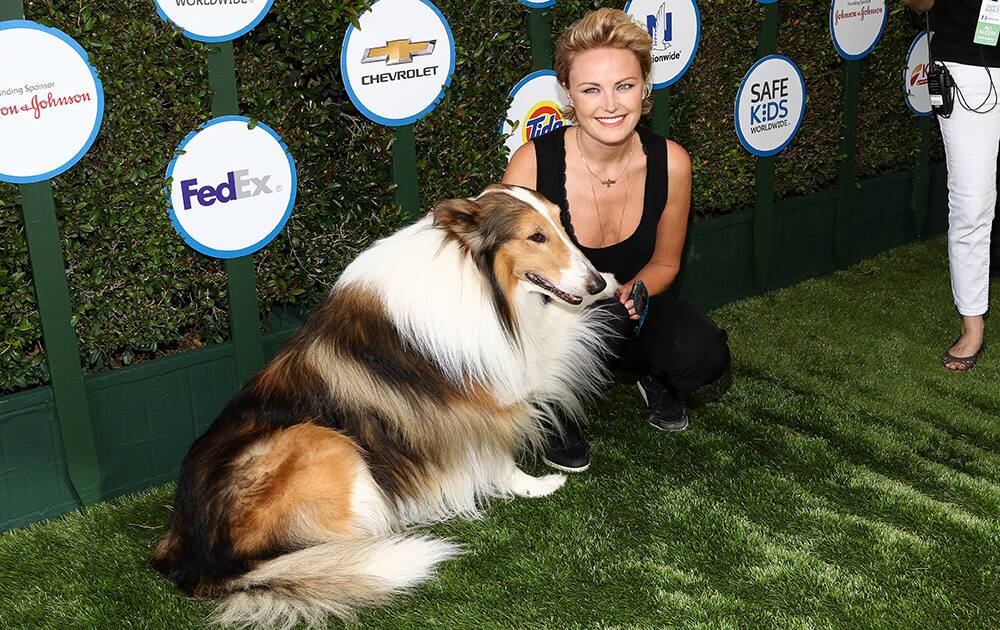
(604, 28)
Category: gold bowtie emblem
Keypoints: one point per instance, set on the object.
(398, 51)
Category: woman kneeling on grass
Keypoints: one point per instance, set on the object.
(625, 196)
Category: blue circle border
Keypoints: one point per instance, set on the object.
(30, 179)
(906, 73)
(221, 253)
(216, 38)
(694, 53)
(538, 5)
(736, 108)
(881, 32)
(520, 84)
(397, 122)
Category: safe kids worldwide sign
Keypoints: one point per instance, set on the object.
(769, 105)
(213, 20)
(51, 102)
(536, 104)
(397, 64)
(675, 26)
(856, 26)
(231, 187)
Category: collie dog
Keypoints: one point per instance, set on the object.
(438, 357)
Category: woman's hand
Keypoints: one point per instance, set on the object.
(624, 292)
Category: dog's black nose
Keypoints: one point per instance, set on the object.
(596, 284)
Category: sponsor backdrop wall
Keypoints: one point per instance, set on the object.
(138, 292)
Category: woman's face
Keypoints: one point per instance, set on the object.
(605, 86)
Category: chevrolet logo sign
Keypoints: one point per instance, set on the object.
(398, 51)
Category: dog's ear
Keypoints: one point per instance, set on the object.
(460, 217)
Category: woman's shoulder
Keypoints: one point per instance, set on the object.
(678, 159)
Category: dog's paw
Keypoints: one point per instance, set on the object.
(528, 486)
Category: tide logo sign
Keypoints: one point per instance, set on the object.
(398, 51)
(236, 186)
(544, 117)
(661, 28)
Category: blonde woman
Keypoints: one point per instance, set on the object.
(625, 195)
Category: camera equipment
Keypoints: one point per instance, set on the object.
(940, 85)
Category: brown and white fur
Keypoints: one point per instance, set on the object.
(403, 400)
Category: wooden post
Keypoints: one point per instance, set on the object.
(62, 352)
(763, 218)
(540, 33)
(846, 178)
(244, 310)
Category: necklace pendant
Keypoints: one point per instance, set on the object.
(608, 183)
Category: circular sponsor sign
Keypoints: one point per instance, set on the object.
(231, 186)
(396, 66)
(536, 104)
(915, 76)
(770, 105)
(213, 20)
(675, 26)
(51, 102)
(856, 26)
(541, 4)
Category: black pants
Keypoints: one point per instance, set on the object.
(678, 344)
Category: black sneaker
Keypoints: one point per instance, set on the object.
(569, 452)
(666, 413)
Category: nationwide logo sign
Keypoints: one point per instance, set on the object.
(770, 105)
(915, 76)
(675, 27)
(51, 102)
(397, 64)
(856, 26)
(213, 20)
(535, 109)
(231, 187)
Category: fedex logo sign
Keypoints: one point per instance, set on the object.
(236, 186)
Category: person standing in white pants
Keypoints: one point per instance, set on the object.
(971, 135)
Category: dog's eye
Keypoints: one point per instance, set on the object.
(537, 237)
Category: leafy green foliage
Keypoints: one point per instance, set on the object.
(137, 291)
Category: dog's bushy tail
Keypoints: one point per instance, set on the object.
(331, 579)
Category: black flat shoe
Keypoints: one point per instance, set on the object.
(666, 413)
(568, 453)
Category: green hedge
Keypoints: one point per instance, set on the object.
(139, 292)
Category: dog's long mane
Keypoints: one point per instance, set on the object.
(459, 322)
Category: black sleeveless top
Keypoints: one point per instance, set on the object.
(626, 258)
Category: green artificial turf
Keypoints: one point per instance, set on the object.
(839, 477)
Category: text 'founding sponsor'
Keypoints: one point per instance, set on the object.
(769, 105)
(36, 105)
(858, 14)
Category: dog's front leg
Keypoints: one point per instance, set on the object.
(521, 484)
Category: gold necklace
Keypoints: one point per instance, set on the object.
(608, 183)
(600, 220)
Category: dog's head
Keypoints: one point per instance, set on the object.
(516, 236)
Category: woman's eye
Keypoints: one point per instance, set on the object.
(590, 91)
(537, 237)
(625, 86)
